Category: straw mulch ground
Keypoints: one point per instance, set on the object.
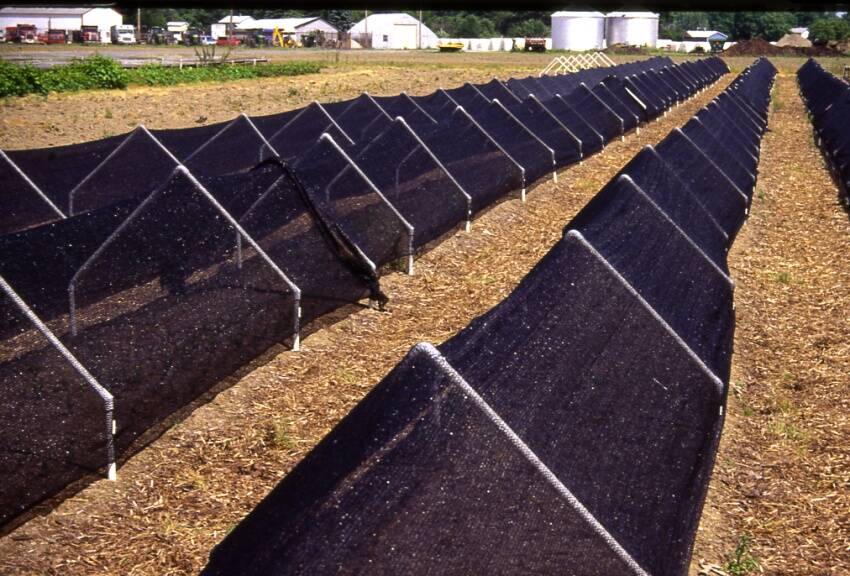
(782, 475)
(178, 497)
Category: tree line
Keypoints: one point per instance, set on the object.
(771, 26)
(823, 26)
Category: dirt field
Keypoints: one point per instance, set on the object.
(783, 470)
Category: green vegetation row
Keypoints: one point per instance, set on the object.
(101, 72)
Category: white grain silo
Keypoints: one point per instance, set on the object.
(578, 30)
(632, 28)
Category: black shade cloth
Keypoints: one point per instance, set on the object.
(238, 146)
(183, 141)
(665, 266)
(414, 182)
(654, 106)
(591, 140)
(310, 250)
(721, 153)
(628, 99)
(363, 119)
(828, 100)
(629, 118)
(420, 478)
(41, 262)
(537, 118)
(54, 427)
(595, 112)
(404, 106)
(167, 278)
(715, 120)
(338, 187)
(607, 396)
(58, 169)
(716, 191)
(293, 139)
(481, 167)
(134, 169)
(658, 181)
(536, 158)
(495, 88)
(24, 204)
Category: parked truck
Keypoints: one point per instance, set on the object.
(123, 34)
(57, 37)
(27, 34)
(90, 35)
(535, 44)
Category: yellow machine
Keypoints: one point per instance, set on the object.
(283, 40)
(450, 46)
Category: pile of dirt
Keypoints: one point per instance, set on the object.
(795, 40)
(754, 47)
(761, 47)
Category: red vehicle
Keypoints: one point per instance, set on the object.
(225, 41)
(11, 33)
(90, 35)
(56, 37)
(27, 34)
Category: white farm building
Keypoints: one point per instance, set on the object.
(70, 18)
(298, 27)
(399, 31)
(220, 28)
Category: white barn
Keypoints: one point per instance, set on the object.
(219, 29)
(398, 31)
(295, 26)
(62, 18)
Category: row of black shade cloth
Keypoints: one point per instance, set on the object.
(571, 429)
(827, 98)
(169, 276)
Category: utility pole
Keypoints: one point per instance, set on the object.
(230, 29)
(138, 25)
(419, 32)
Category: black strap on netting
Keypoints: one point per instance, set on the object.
(334, 236)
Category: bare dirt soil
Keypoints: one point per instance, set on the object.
(66, 118)
(782, 472)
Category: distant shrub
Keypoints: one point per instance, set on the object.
(18, 80)
(84, 74)
(101, 72)
(158, 75)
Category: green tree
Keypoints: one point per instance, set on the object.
(775, 25)
(342, 20)
(473, 26)
(826, 30)
(673, 25)
(768, 25)
(528, 29)
(721, 21)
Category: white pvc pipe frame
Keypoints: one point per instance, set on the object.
(105, 395)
